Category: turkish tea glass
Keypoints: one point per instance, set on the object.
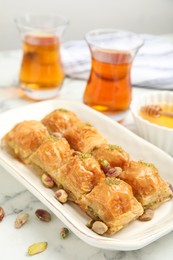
(109, 88)
(41, 72)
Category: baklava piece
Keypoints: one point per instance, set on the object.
(109, 155)
(51, 154)
(78, 176)
(59, 120)
(148, 186)
(112, 202)
(25, 138)
(84, 137)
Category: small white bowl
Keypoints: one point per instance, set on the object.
(158, 135)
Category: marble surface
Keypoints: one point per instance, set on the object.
(14, 198)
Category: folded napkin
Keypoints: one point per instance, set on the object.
(152, 67)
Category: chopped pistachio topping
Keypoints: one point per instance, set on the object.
(92, 212)
(112, 147)
(105, 163)
(51, 138)
(85, 155)
(63, 110)
(147, 164)
(112, 180)
(88, 124)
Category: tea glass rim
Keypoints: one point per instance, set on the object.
(18, 20)
(113, 30)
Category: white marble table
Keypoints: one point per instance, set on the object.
(14, 198)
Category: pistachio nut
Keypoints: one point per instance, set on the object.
(114, 172)
(37, 248)
(99, 227)
(21, 219)
(64, 232)
(90, 223)
(147, 215)
(47, 181)
(61, 195)
(2, 213)
(43, 215)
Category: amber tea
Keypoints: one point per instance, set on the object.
(109, 88)
(41, 74)
(41, 67)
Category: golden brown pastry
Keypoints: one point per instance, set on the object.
(148, 186)
(112, 201)
(113, 154)
(84, 137)
(25, 138)
(51, 154)
(59, 120)
(78, 175)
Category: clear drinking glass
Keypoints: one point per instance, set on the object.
(41, 73)
(108, 88)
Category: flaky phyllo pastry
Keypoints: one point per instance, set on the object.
(112, 202)
(148, 186)
(25, 138)
(59, 120)
(99, 177)
(84, 137)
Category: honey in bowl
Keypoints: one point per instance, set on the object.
(161, 120)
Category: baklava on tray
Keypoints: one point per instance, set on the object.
(99, 177)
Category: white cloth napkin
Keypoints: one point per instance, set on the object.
(152, 67)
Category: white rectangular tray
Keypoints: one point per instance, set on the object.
(137, 234)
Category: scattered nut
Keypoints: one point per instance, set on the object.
(114, 172)
(43, 215)
(21, 220)
(37, 248)
(99, 227)
(105, 166)
(47, 181)
(2, 213)
(90, 223)
(64, 232)
(147, 215)
(61, 195)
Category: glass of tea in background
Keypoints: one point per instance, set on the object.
(41, 73)
(108, 88)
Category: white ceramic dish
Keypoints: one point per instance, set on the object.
(137, 234)
(158, 135)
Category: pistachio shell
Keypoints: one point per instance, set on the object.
(21, 220)
(37, 248)
(61, 195)
(43, 215)
(64, 232)
(47, 181)
(2, 213)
